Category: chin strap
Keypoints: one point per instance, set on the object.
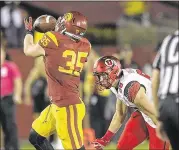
(73, 36)
(63, 31)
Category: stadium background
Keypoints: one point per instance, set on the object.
(109, 32)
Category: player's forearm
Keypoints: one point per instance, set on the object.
(31, 49)
(147, 108)
(150, 113)
(28, 43)
(154, 118)
(113, 128)
(144, 104)
(115, 123)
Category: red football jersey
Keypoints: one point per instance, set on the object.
(64, 60)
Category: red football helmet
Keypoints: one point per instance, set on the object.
(106, 70)
(72, 22)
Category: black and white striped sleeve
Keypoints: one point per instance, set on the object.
(157, 61)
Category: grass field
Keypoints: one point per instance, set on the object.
(143, 146)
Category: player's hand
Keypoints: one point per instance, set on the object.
(160, 132)
(28, 24)
(100, 143)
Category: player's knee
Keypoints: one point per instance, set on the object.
(35, 138)
(122, 146)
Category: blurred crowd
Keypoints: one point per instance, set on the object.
(12, 16)
(100, 105)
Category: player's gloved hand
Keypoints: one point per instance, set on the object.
(161, 132)
(102, 142)
(28, 25)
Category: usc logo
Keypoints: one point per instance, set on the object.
(68, 16)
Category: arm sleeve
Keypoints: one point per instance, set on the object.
(131, 90)
(15, 71)
(157, 61)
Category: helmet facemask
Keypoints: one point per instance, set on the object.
(60, 25)
(103, 81)
(106, 71)
(72, 24)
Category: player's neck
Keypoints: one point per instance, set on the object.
(115, 85)
(116, 82)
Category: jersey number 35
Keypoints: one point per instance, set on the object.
(75, 65)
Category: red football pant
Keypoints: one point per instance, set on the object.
(136, 131)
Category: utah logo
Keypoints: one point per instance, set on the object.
(109, 62)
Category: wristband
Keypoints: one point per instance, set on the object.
(108, 136)
(30, 32)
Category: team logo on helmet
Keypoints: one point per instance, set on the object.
(109, 62)
(68, 16)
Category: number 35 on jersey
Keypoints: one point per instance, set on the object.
(75, 65)
(74, 61)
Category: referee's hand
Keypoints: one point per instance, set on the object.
(17, 99)
(161, 134)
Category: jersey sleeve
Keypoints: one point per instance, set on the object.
(49, 41)
(157, 61)
(38, 36)
(131, 90)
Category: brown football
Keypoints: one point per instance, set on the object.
(44, 23)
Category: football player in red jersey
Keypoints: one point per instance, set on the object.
(132, 89)
(65, 51)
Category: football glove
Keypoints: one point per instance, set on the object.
(102, 142)
(28, 25)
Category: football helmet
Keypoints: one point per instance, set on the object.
(72, 22)
(106, 70)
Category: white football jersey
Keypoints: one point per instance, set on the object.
(129, 77)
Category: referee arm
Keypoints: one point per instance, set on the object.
(155, 86)
(156, 79)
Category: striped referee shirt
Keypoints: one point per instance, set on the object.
(167, 61)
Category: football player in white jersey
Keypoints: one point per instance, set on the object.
(132, 89)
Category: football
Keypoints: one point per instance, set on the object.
(44, 23)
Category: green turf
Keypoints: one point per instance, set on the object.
(143, 146)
